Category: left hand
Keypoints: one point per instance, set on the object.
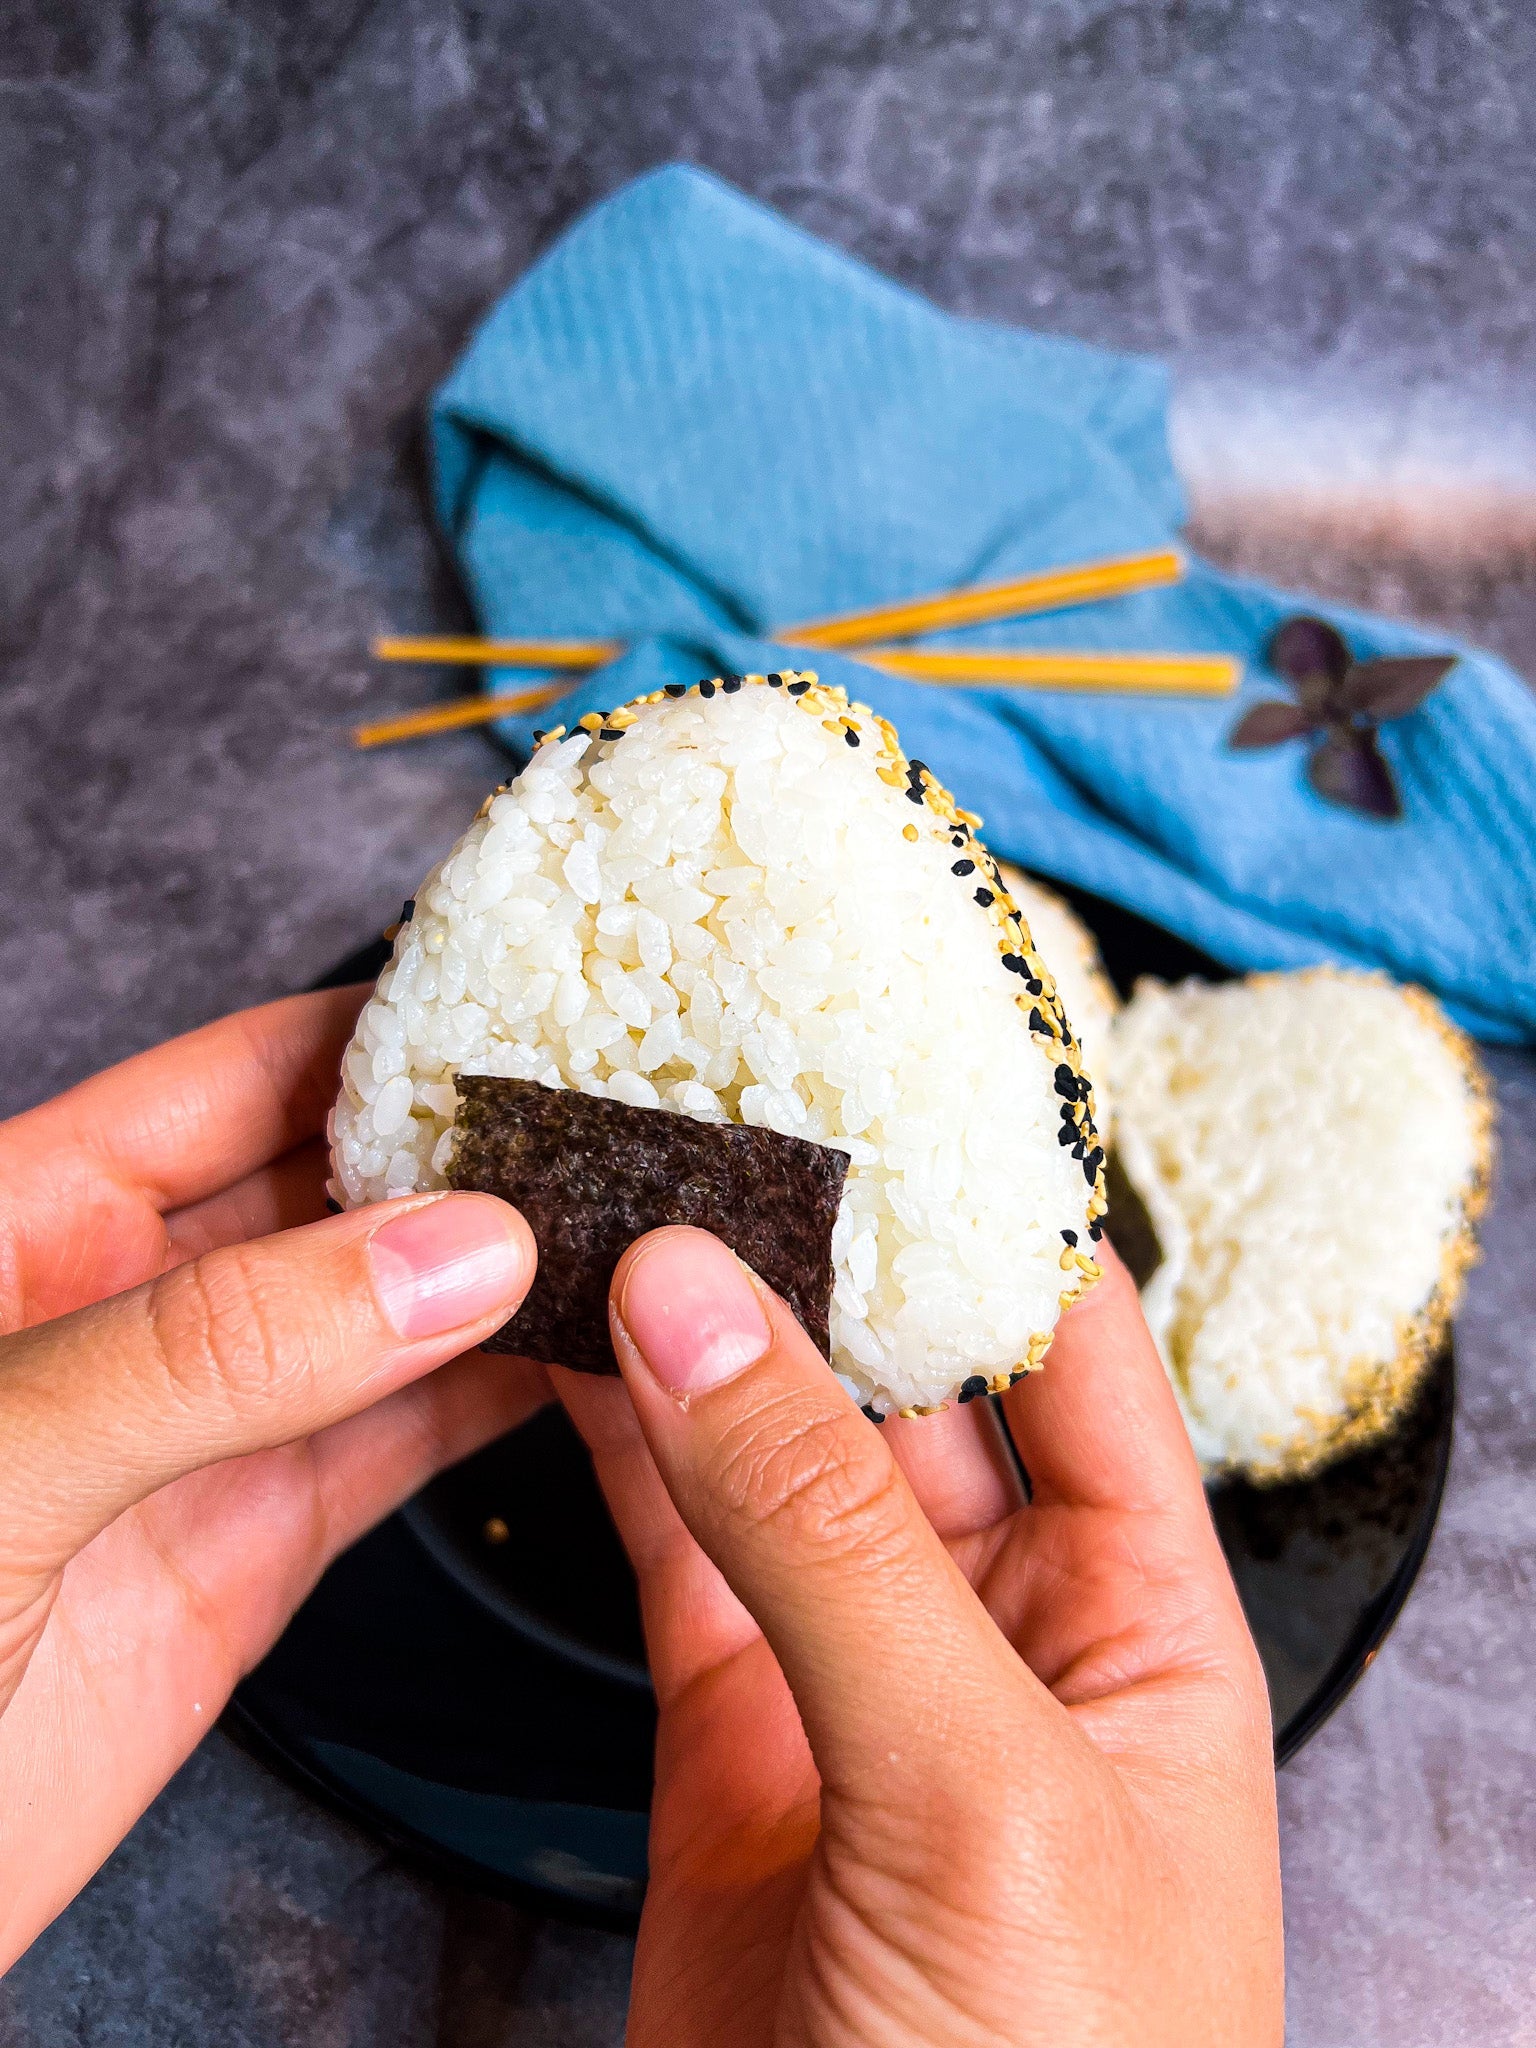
(197, 1416)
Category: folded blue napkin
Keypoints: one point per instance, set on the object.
(690, 423)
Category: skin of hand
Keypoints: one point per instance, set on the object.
(198, 1415)
(936, 1763)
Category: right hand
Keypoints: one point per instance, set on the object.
(935, 1764)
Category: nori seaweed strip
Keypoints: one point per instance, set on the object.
(591, 1175)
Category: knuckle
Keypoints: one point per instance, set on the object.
(812, 1476)
(217, 1333)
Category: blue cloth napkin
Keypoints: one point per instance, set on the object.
(690, 422)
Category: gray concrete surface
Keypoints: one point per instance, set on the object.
(242, 241)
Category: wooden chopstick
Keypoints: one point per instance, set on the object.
(481, 710)
(1048, 591)
(1184, 675)
(502, 653)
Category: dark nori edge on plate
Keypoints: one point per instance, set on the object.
(591, 1175)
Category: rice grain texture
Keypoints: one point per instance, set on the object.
(741, 903)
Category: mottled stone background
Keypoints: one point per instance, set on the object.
(241, 244)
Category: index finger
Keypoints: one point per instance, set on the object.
(693, 1621)
(959, 1466)
(1100, 1426)
(193, 1116)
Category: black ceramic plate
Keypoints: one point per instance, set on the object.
(469, 1681)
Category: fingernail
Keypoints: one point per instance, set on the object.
(691, 1312)
(448, 1264)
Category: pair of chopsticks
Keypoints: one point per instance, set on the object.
(864, 634)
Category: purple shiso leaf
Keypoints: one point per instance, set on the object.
(1396, 684)
(1348, 769)
(1267, 724)
(1304, 649)
(1324, 701)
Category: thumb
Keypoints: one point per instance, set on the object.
(251, 1346)
(795, 1497)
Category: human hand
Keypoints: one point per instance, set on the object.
(934, 1764)
(183, 1458)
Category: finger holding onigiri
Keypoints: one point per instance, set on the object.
(740, 903)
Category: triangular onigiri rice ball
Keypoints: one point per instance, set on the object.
(741, 902)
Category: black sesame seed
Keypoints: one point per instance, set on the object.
(1067, 1134)
(408, 910)
(1037, 1022)
(538, 735)
(1066, 1080)
(985, 898)
(610, 732)
(1069, 1237)
(774, 679)
(675, 689)
(730, 685)
(963, 867)
(798, 689)
(850, 736)
(1022, 1373)
(1079, 1152)
(706, 689)
(1096, 1228)
(1066, 1036)
(873, 1413)
(1015, 965)
(917, 767)
(1035, 987)
(972, 1389)
(916, 795)
(1092, 1163)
